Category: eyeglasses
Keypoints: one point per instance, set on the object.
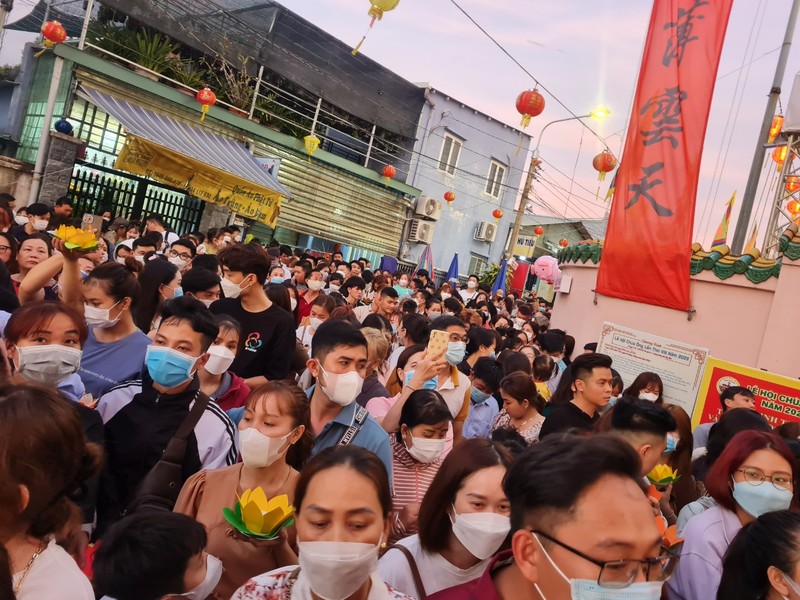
(753, 476)
(619, 574)
(182, 255)
(5, 248)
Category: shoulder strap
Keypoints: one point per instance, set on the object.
(358, 422)
(176, 448)
(421, 594)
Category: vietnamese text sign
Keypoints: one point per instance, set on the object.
(679, 365)
(525, 246)
(777, 397)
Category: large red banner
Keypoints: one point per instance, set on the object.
(647, 250)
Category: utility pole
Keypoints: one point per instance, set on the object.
(743, 222)
(523, 201)
(5, 9)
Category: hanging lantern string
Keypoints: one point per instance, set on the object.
(528, 73)
(376, 14)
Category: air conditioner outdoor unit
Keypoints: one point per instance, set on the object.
(421, 232)
(486, 231)
(428, 208)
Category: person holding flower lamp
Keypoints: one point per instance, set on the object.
(275, 441)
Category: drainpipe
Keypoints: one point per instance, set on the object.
(425, 135)
(44, 137)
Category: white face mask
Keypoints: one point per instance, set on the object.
(403, 283)
(445, 295)
(40, 224)
(49, 365)
(425, 450)
(220, 359)
(648, 396)
(207, 302)
(481, 533)
(120, 260)
(335, 570)
(139, 259)
(315, 285)
(21, 219)
(315, 322)
(293, 303)
(434, 314)
(335, 287)
(342, 388)
(259, 450)
(793, 585)
(213, 575)
(100, 317)
(589, 589)
(518, 323)
(472, 285)
(230, 289)
(178, 262)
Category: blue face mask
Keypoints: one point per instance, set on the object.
(276, 280)
(431, 384)
(562, 366)
(477, 396)
(456, 351)
(672, 443)
(177, 292)
(757, 500)
(492, 354)
(167, 367)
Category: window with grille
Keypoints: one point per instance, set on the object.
(477, 264)
(451, 150)
(494, 181)
(101, 132)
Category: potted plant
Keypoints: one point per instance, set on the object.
(189, 75)
(235, 86)
(152, 52)
(116, 39)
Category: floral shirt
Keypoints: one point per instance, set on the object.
(282, 584)
(530, 432)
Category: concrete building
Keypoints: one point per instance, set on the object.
(482, 161)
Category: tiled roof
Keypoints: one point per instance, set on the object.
(725, 265)
(718, 260)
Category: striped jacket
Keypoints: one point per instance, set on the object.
(139, 423)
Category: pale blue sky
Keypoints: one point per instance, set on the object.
(587, 53)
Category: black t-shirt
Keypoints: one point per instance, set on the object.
(267, 343)
(564, 417)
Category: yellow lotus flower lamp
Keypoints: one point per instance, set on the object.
(76, 239)
(663, 475)
(257, 516)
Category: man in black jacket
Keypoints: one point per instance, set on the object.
(142, 416)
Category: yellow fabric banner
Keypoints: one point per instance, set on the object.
(208, 183)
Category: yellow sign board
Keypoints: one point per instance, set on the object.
(200, 180)
(525, 245)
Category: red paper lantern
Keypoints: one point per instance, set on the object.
(538, 230)
(793, 206)
(208, 99)
(775, 128)
(604, 163)
(563, 242)
(449, 197)
(792, 184)
(388, 172)
(529, 104)
(54, 32)
(497, 214)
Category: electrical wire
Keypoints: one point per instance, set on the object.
(527, 72)
(730, 124)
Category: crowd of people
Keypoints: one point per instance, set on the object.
(435, 439)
